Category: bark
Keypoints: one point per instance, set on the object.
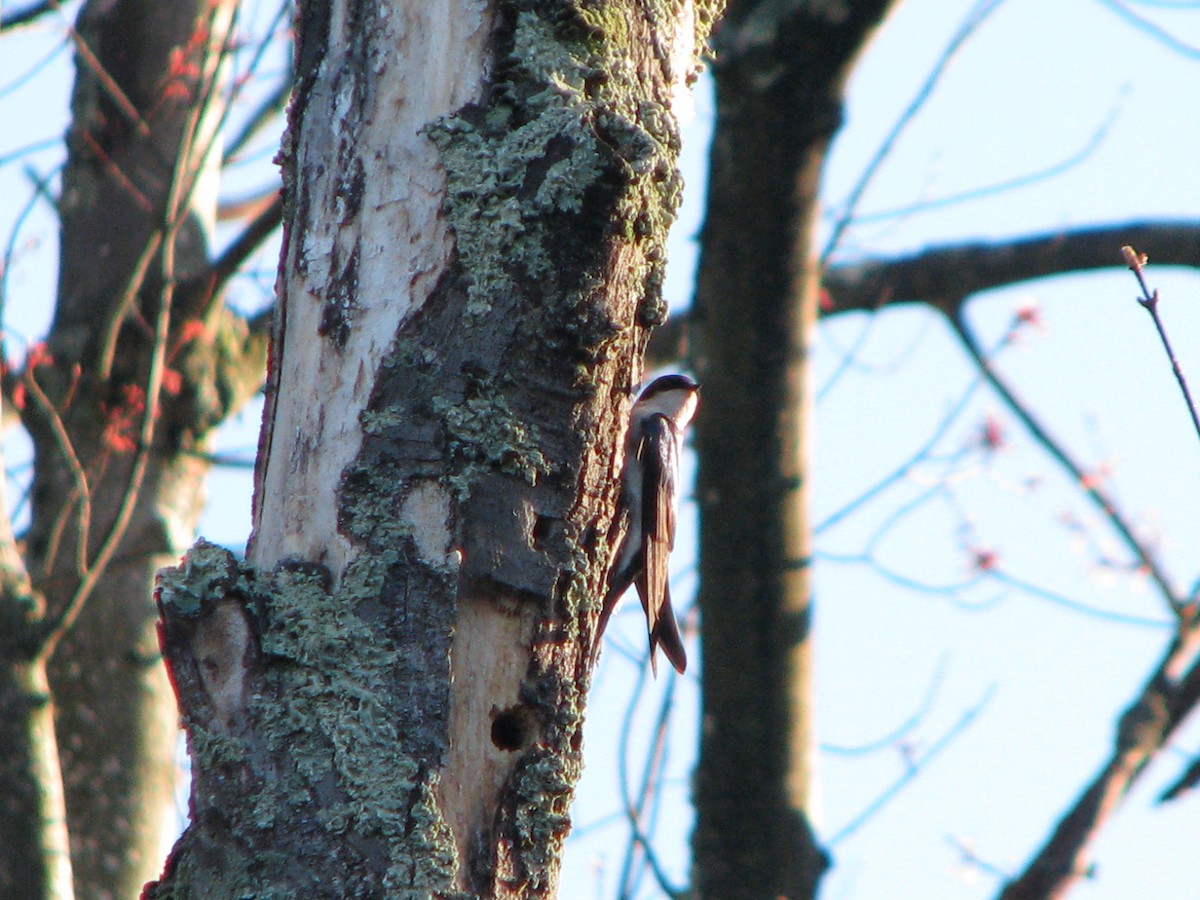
(140, 364)
(780, 71)
(387, 697)
(37, 858)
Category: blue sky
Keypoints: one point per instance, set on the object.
(1033, 88)
(1039, 84)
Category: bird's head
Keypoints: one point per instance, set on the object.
(673, 396)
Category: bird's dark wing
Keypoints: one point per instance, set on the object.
(659, 455)
(666, 635)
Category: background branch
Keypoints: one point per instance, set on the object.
(945, 277)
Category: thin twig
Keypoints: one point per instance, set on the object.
(1053, 597)
(116, 173)
(897, 734)
(921, 454)
(847, 357)
(911, 771)
(623, 775)
(656, 868)
(243, 246)
(272, 106)
(1149, 302)
(655, 760)
(67, 448)
(1094, 142)
(178, 197)
(10, 252)
(975, 18)
(1166, 699)
(1106, 504)
(105, 80)
(1155, 31)
(133, 284)
(971, 858)
(28, 74)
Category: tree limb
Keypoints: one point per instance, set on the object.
(26, 16)
(946, 277)
(1143, 729)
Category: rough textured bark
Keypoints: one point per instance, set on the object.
(387, 697)
(118, 469)
(780, 71)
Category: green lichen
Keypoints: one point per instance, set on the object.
(337, 685)
(325, 705)
(577, 597)
(485, 435)
(707, 14)
(543, 56)
(208, 574)
(544, 788)
(424, 870)
(338, 691)
(580, 125)
(488, 209)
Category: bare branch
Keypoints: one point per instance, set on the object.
(65, 446)
(27, 16)
(974, 860)
(31, 72)
(911, 722)
(1000, 187)
(247, 207)
(634, 808)
(1155, 31)
(1149, 302)
(112, 327)
(945, 277)
(107, 83)
(274, 103)
(901, 471)
(649, 794)
(1143, 729)
(243, 247)
(175, 215)
(10, 252)
(1040, 593)
(1095, 492)
(974, 19)
(272, 106)
(1184, 783)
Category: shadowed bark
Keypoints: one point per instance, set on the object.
(780, 71)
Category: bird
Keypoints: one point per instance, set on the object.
(649, 497)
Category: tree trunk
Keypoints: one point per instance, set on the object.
(387, 697)
(780, 71)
